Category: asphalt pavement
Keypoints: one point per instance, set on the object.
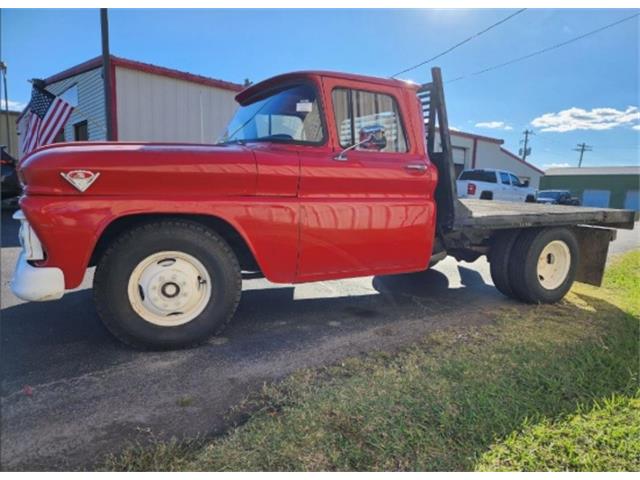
(71, 393)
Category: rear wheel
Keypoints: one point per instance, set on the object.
(543, 264)
(499, 257)
(167, 285)
(486, 195)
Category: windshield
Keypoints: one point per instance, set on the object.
(549, 194)
(290, 116)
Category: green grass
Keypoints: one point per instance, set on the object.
(550, 387)
(607, 438)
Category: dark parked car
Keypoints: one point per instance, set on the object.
(557, 197)
(10, 183)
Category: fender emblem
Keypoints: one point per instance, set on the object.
(81, 179)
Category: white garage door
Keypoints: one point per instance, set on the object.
(459, 155)
(596, 198)
(632, 200)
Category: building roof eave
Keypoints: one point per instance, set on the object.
(146, 68)
(515, 157)
(460, 133)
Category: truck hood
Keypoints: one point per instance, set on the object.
(139, 168)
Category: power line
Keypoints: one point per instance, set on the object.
(460, 43)
(544, 50)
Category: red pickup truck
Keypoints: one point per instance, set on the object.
(320, 176)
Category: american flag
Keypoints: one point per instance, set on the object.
(41, 121)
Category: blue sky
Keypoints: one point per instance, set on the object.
(590, 88)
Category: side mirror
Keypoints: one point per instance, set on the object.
(525, 183)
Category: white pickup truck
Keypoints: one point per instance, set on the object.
(492, 184)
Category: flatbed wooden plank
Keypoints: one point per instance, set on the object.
(493, 215)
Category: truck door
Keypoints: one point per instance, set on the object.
(370, 210)
(505, 190)
(519, 192)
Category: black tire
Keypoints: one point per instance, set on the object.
(499, 256)
(486, 196)
(530, 199)
(523, 264)
(132, 247)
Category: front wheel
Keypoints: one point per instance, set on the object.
(167, 284)
(543, 264)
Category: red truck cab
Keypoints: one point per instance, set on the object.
(319, 176)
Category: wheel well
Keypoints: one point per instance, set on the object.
(221, 227)
(486, 195)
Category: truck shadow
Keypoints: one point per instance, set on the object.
(44, 340)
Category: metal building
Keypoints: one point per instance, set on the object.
(149, 103)
(10, 141)
(612, 187)
(477, 151)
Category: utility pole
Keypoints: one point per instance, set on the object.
(526, 150)
(3, 71)
(106, 72)
(582, 147)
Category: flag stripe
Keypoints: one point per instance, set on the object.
(34, 121)
(57, 120)
(64, 116)
(50, 121)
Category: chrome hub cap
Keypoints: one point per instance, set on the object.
(554, 264)
(169, 288)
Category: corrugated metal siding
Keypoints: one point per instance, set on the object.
(618, 185)
(155, 108)
(90, 103)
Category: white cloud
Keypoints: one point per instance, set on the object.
(636, 127)
(494, 125)
(580, 119)
(547, 166)
(13, 105)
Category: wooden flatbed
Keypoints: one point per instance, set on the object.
(496, 215)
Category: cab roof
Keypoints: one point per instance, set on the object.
(272, 82)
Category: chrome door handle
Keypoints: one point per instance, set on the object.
(417, 167)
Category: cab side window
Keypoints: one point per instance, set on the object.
(504, 177)
(360, 115)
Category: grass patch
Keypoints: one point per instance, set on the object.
(607, 438)
(541, 382)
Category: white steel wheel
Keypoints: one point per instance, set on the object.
(169, 288)
(554, 264)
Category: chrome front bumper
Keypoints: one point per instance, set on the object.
(34, 284)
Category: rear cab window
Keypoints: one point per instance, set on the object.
(487, 176)
(359, 112)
